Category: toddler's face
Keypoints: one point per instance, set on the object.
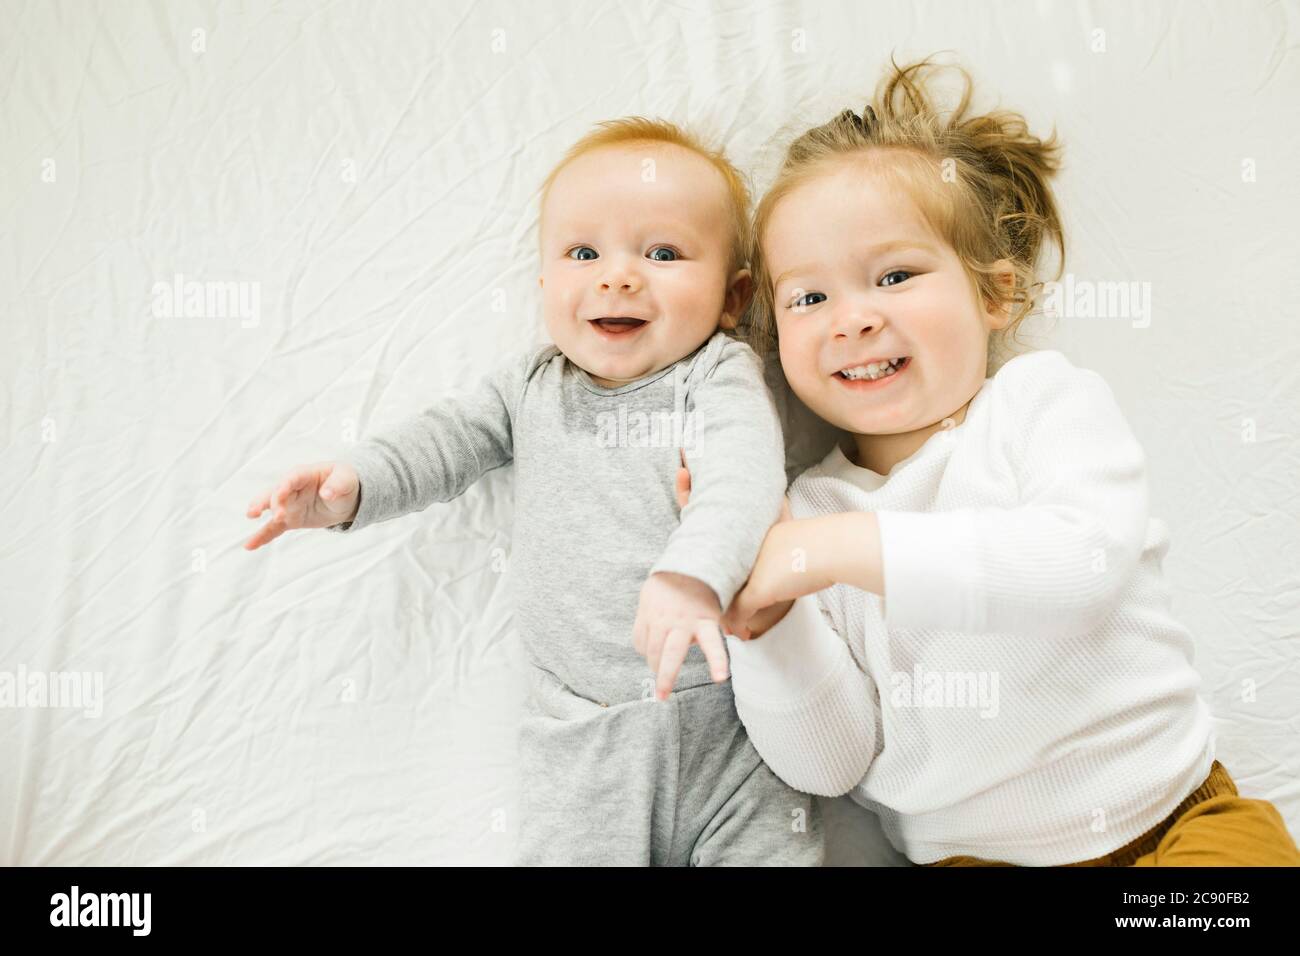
(622, 238)
(875, 283)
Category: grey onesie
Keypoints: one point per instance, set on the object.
(609, 774)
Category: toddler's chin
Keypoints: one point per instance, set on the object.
(859, 422)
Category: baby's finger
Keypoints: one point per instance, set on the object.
(259, 504)
(268, 532)
(638, 634)
(675, 649)
(709, 637)
(683, 489)
(654, 645)
(335, 484)
(293, 483)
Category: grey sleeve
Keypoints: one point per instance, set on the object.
(438, 453)
(737, 465)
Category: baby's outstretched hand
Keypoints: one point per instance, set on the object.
(676, 611)
(311, 496)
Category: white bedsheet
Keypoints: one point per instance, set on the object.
(369, 172)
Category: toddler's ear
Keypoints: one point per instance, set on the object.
(999, 314)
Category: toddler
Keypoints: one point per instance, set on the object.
(980, 648)
(644, 238)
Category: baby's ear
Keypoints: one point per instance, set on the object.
(739, 291)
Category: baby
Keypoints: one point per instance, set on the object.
(644, 239)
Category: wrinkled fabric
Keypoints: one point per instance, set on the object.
(371, 172)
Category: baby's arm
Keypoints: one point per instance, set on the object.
(434, 455)
(737, 469)
(438, 453)
(737, 464)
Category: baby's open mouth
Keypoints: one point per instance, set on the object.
(618, 324)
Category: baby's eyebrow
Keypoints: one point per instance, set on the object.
(681, 227)
(655, 231)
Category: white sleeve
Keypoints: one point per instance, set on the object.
(1054, 565)
(808, 708)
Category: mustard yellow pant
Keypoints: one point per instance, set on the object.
(1214, 826)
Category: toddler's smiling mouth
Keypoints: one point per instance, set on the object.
(872, 374)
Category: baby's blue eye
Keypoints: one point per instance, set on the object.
(802, 302)
(571, 252)
(896, 272)
(672, 254)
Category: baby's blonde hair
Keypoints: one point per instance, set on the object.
(639, 130)
(981, 182)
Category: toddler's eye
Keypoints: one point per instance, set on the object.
(896, 272)
(803, 301)
(654, 254)
(581, 249)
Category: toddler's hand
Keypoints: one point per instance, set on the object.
(775, 582)
(676, 611)
(312, 496)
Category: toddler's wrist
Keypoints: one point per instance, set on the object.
(768, 618)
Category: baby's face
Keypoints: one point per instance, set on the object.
(639, 233)
(860, 277)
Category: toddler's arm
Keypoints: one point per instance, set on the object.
(1057, 563)
(811, 712)
(802, 667)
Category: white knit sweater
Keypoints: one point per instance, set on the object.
(1022, 692)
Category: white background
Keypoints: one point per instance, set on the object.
(373, 168)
